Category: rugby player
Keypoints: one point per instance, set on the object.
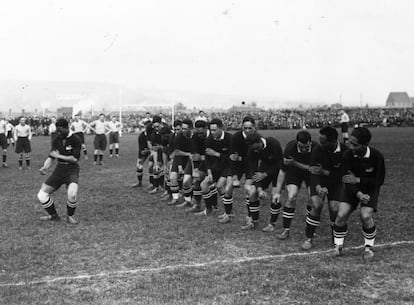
(238, 157)
(10, 129)
(22, 137)
(325, 181)
(3, 140)
(115, 128)
(79, 127)
(155, 144)
(201, 133)
(101, 128)
(218, 178)
(294, 171)
(182, 163)
(66, 149)
(265, 158)
(143, 152)
(364, 170)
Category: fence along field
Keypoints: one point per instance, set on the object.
(130, 248)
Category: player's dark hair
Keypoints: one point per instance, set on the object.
(165, 130)
(303, 137)
(177, 123)
(200, 124)
(248, 119)
(62, 123)
(253, 138)
(188, 122)
(330, 133)
(101, 114)
(362, 134)
(156, 119)
(217, 122)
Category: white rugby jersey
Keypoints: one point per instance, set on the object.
(100, 127)
(78, 126)
(23, 131)
(114, 127)
(3, 126)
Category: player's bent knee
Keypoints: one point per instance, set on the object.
(366, 218)
(291, 198)
(42, 196)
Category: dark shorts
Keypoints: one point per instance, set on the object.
(200, 165)
(114, 137)
(265, 183)
(100, 142)
(217, 174)
(63, 174)
(143, 155)
(3, 141)
(353, 201)
(344, 127)
(9, 135)
(53, 137)
(184, 162)
(81, 137)
(23, 145)
(297, 178)
(239, 168)
(334, 190)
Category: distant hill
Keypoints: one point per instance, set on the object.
(39, 95)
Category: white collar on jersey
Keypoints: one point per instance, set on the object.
(264, 142)
(338, 147)
(367, 154)
(244, 134)
(221, 137)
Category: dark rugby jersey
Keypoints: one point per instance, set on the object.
(291, 151)
(67, 146)
(200, 143)
(238, 145)
(184, 144)
(329, 160)
(170, 145)
(156, 140)
(142, 141)
(370, 169)
(267, 160)
(222, 146)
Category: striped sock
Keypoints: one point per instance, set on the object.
(339, 233)
(312, 222)
(255, 210)
(288, 215)
(228, 204)
(369, 235)
(71, 207)
(49, 206)
(275, 209)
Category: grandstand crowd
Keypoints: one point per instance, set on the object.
(266, 119)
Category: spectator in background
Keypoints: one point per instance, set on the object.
(344, 122)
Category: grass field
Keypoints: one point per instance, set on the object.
(130, 248)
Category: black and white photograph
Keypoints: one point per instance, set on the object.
(206, 152)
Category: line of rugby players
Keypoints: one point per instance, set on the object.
(200, 162)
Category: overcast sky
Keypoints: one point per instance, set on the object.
(290, 50)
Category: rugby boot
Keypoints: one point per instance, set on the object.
(48, 217)
(269, 228)
(284, 234)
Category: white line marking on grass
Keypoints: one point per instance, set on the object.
(50, 280)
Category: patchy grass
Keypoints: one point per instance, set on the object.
(122, 228)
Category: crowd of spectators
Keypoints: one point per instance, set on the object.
(266, 119)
